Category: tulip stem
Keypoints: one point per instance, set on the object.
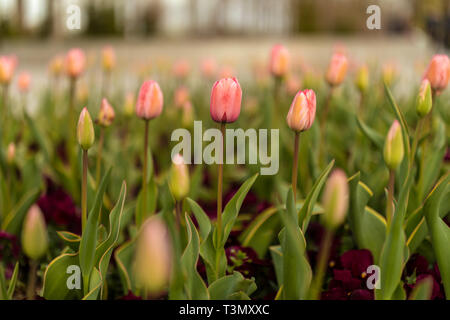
(178, 210)
(415, 143)
(390, 202)
(321, 267)
(219, 196)
(144, 175)
(31, 285)
(72, 132)
(99, 155)
(84, 190)
(295, 164)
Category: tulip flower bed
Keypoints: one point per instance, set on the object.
(96, 205)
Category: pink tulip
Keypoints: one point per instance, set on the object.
(438, 72)
(181, 69)
(150, 100)
(108, 58)
(226, 96)
(209, 68)
(337, 69)
(106, 115)
(7, 67)
(75, 63)
(302, 111)
(181, 96)
(279, 60)
(24, 81)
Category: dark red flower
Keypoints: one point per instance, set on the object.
(130, 296)
(9, 252)
(357, 262)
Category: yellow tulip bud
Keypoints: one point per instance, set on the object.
(393, 146)
(34, 234)
(362, 79)
(179, 178)
(85, 130)
(335, 199)
(424, 99)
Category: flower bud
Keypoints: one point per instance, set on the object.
(362, 79)
(188, 115)
(389, 73)
(24, 81)
(108, 58)
(302, 111)
(181, 69)
(337, 69)
(7, 67)
(34, 234)
(209, 68)
(85, 130)
(75, 63)
(438, 72)
(393, 146)
(424, 99)
(150, 100)
(129, 104)
(106, 114)
(226, 96)
(11, 153)
(153, 258)
(335, 199)
(181, 96)
(56, 65)
(179, 178)
(279, 61)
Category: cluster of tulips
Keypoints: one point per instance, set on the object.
(117, 217)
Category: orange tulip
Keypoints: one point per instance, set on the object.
(150, 100)
(226, 96)
(438, 72)
(279, 60)
(302, 111)
(24, 81)
(7, 67)
(337, 69)
(75, 63)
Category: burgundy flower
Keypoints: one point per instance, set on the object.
(130, 296)
(418, 268)
(314, 235)
(357, 262)
(59, 208)
(9, 252)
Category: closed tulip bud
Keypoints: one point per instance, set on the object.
(34, 234)
(75, 63)
(179, 178)
(279, 61)
(153, 258)
(11, 153)
(188, 115)
(106, 115)
(302, 111)
(335, 199)
(56, 65)
(226, 96)
(209, 68)
(389, 73)
(181, 96)
(129, 104)
(438, 72)
(108, 58)
(424, 99)
(85, 130)
(337, 69)
(150, 100)
(362, 79)
(7, 67)
(181, 69)
(393, 146)
(24, 81)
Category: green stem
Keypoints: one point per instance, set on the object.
(84, 191)
(99, 155)
(415, 143)
(144, 174)
(390, 200)
(295, 164)
(219, 197)
(321, 267)
(31, 286)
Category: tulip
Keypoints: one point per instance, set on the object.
(86, 137)
(34, 243)
(335, 202)
(11, 153)
(56, 65)
(179, 178)
(209, 68)
(24, 81)
(300, 118)
(279, 61)
(129, 104)
(150, 101)
(75, 63)
(337, 69)
(389, 73)
(148, 106)
(362, 79)
(188, 116)
(424, 100)
(226, 96)
(393, 146)
(302, 111)
(181, 69)
(335, 199)
(438, 72)
(105, 119)
(153, 257)
(108, 58)
(181, 96)
(7, 67)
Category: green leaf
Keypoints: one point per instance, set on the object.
(439, 231)
(72, 240)
(124, 256)
(152, 197)
(95, 283)
(234, 286)
(277, 259)
(370, 133)
(13, 221)
(297, 272)
(423, 289)
(3, 290)
(41, 139)
(307, 208)
(13, 281)
(194, 286)
(202, 219)
(89, 236)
